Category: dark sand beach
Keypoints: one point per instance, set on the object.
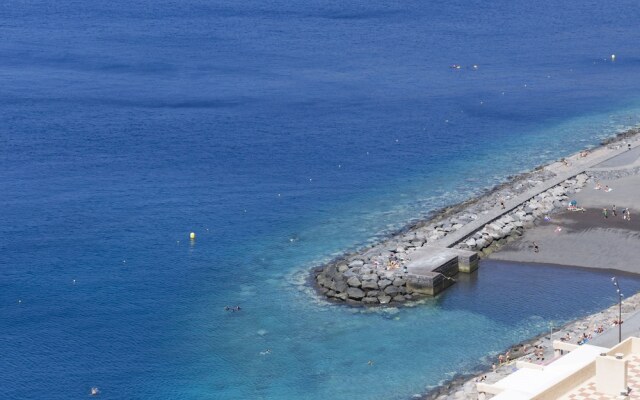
(587, 239)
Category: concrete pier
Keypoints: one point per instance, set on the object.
(431, 269)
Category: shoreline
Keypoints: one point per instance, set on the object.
(464, 387)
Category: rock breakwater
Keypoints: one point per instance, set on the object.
(378, 275)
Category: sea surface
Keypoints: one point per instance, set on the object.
(282, 133)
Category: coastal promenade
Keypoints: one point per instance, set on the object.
(577, 166)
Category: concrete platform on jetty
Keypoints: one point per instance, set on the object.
(431, 269)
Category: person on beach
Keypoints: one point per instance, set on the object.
(628, 146)
(535, 247)
(502, 204)
(613, 210)
(626, 215)
(605, 213)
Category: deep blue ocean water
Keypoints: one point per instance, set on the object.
(282, 133)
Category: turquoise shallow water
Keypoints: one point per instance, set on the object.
(282, 134)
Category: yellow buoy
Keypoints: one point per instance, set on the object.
(192, 235)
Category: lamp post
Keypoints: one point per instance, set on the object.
(620, 295)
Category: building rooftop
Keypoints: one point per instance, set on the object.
(586, 373)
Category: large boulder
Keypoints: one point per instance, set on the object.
(370, 300)
(507, 219)
(388, 275)
(355, 293)
(370, 277)
(341, 286)
(399, 282)
(354, 282)
(383, 283)
(371, 285)
(384, 299)
(356, 263)
(391, 290)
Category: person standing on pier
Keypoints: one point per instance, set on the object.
(613, 210)
(605, 212)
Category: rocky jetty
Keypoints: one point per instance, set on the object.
(378, 275)
(512, 224)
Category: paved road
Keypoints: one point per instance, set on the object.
(623, 160)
